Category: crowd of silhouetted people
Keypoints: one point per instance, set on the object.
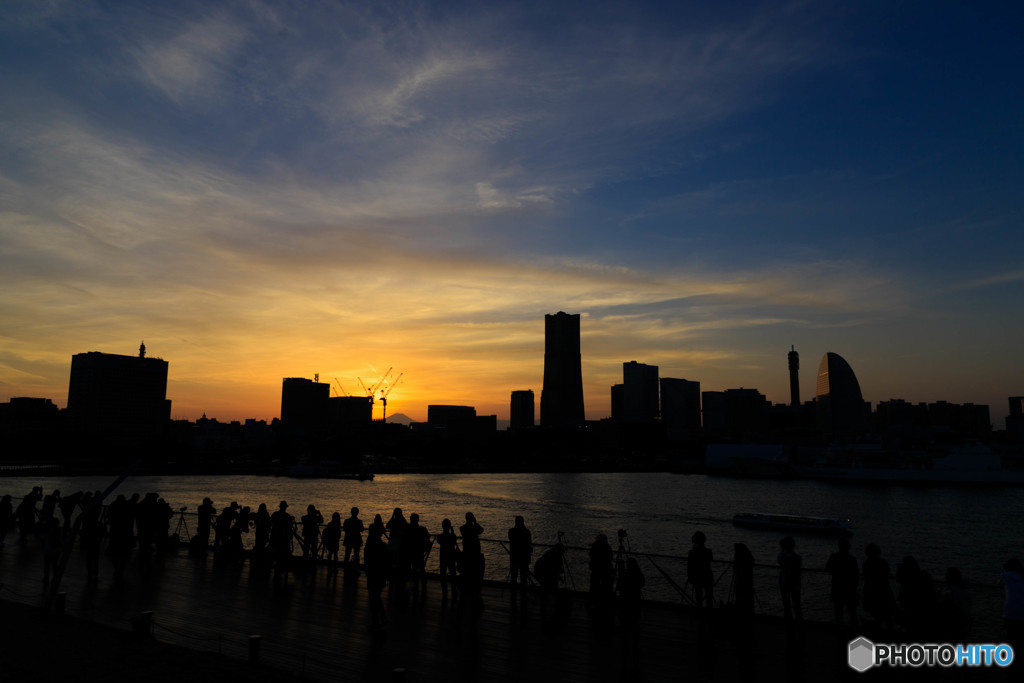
(394, 553)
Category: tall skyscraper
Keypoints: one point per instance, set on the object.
(794, 377)
(841, 410)
(561, 398)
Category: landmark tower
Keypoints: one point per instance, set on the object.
(561, 397)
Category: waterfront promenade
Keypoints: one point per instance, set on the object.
(315, 627)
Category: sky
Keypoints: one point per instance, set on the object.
(261, 190)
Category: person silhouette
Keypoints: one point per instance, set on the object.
(378, 564)
(1012, 579)
(396, 534)
(601, 568)
(743, 580)
(221, 528)
(698, 572)
(6, 517)
(26, 515)
(916, 597)
(92, 531)
(68, 505)
(630, 588)
(353, 541)
(311, 522)
(842, 566)
(204, 522)
(262, 530)
(472, 557)
(53, 538)
(376, 529)
(448, 557)
(520, 551)
(879, 600)
(281, 531)
(235, 545)
(790, 566)
(955, 608)
(415, 546)
(121, 521)
(549, 569)
(50, 503)
(332, 543)
(471, 565)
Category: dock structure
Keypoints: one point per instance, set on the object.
(315, 626)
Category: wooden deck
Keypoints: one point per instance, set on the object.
(317, 627)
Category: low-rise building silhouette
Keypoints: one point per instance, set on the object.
(121, 399)
(680, 408)
(639, 392)
(304, 406)
(521, 413)
(734, 414)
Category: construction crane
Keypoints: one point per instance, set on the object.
(385, 392)
(371, 391)
(340, 390)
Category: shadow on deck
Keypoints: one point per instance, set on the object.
(316, 627)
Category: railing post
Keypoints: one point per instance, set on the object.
(59, 603)
(142, 625)
(254, 649)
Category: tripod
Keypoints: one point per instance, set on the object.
(182, 524)
(624, 548)
(528, 580)
(565, 565)
(622, 556)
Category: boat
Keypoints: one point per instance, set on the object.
(325, 469)
(310, 472)
(799, 523)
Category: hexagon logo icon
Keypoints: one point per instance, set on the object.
(861, 654)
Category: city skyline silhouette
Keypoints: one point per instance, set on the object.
(328, 190)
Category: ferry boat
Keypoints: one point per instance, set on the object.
(799, 523)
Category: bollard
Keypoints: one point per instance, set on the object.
(254, 649)
(142, 625)
(59, 603)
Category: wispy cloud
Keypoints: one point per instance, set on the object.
(195, 62)
(258, 188)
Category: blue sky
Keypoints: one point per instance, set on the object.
(262, 190)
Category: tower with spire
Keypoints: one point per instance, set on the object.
(794, 377)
